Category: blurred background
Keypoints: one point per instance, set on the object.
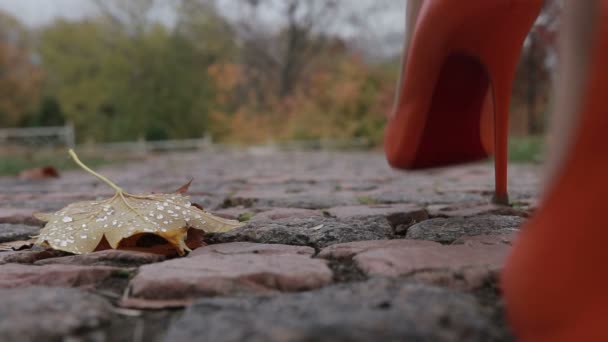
(171, 74)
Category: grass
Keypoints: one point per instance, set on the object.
(366, 200)
(123, 273)
(11, 163)
(521, 150)
(526, 149)
(517, 205)
(246, 216)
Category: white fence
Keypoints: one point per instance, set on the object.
(38, 136)
(64, 136)
(144, 146)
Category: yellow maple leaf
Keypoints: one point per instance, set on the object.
(81, 226)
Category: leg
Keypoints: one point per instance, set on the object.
(576, 40)
(555, 280)
(411, 15)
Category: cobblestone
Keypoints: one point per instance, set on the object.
(336, 246)
(315, 231)
(51, 314)
(13, 232)
(447, 230)
(218, 273)
(379, 309)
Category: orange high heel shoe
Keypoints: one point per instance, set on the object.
(461, 57)
(556, 280)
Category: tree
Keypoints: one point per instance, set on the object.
(229, 71)
(534, 75)
(49, 114)
(132, 76)
(84, 74)
(279, 59)
(20, 77)
(295, 77)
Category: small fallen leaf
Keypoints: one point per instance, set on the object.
(154, 304)
(16, 245)
(184, 188)
(39, 173)
(198, 206)
(317, 227)
(80, 227)
(127, 312)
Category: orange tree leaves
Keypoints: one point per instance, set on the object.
(20, 78)
(341, 98)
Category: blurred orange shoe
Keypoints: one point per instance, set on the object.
(556, 280)
(460, 58)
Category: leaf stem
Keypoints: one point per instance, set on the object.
(122, 196)
(87, 169)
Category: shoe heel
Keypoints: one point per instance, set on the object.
(499, 52)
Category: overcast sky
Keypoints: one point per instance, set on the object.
(384, 29)
(39, 12)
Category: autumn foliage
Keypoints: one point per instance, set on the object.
(338, 100)
(20, 78)
(120, 75)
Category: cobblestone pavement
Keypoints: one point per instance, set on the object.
(337, 247)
